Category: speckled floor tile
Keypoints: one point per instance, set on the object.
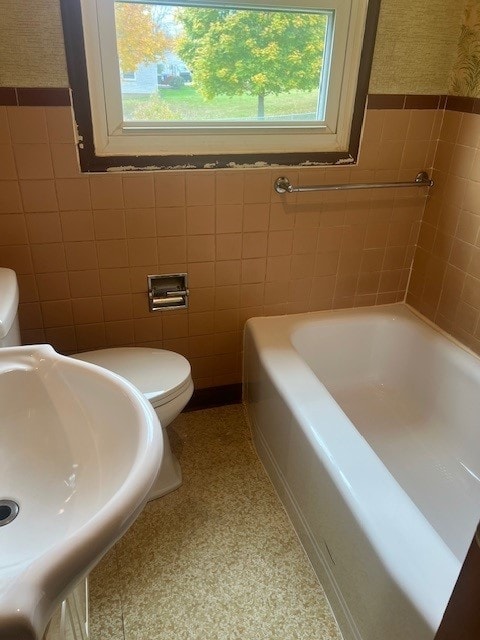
(215, 560)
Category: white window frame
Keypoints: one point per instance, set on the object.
(113, 136)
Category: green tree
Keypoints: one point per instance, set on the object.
(236, 52)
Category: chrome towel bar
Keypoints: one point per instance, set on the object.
(282, 185)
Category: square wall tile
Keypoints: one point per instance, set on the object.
(148, 329)
(118, 307)
(278, 268)
(112, 253)
(18, 258)
(33, 161)
(87, 310)
(142, 251)
(200, 188)
(170, 189)
(200, 220)
(53, 286)
(84, 284)
(48, 258)
(8, 169)
(257, 187)
(5, 138)
(280, 243)
(201, 274)
(229, 187)
(81, 256)
(106, 192)
(10, 200)
(73, 194)
(201, 299)
(138, 191)
(253, 270)
(254, 244)
(13, 229)
(171, 249)
(57, 313)
(27, 124)
(77, 225)
(60, 124)
(227, 272)
(39, 195)
(171, 221)
(140, 223)
(256, 217)
(229, 246)
(229, 218)
(90, 336)
(119, 333)
(109, 224)
(115, 281)
(201, 248)
(65, 160)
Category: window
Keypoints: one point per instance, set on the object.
(173, 78)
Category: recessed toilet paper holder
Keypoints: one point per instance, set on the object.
(168, 291)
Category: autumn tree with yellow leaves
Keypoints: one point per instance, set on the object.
(139, 40)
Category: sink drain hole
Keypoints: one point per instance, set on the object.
(8, 511)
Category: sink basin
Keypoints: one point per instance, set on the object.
(80, 448)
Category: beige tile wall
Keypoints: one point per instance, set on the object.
(84, 244)
(445, 283)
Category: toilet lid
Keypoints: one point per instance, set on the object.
(160, 375)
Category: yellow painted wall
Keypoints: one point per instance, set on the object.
(415, 51)
(416, 46)
(31, 44)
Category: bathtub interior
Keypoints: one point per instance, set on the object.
(408, 392)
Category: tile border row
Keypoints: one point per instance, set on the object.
(420, 101)
(61, 97)
(35, 97)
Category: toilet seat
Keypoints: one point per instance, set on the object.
(159, 374)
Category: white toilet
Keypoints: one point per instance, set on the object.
(164, 377)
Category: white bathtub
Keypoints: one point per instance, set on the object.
(368, 423)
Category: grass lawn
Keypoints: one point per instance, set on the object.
(186, 103)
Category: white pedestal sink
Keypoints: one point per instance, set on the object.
(79, 450)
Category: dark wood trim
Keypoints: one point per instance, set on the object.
(90, 162)
(364, 72)
(71, 12)
(215, 397)
(94, 163)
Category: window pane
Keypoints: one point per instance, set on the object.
(181, 64)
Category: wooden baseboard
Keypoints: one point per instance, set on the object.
(215, 397)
